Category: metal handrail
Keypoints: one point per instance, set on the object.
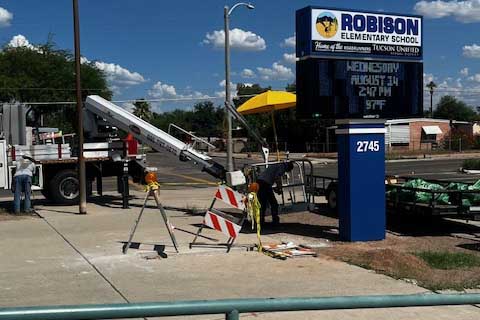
(232, 308)
(287, 183)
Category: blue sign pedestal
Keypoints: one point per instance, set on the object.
(361, 179)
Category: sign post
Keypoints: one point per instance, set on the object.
(361, 176)
(359, 68)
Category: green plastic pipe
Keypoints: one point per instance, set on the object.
(231, 307)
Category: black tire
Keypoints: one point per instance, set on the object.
(331, 196)
(64, 188)
(46, 192)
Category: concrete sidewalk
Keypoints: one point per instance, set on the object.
(70, 259)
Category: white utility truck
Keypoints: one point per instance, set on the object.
(57, 176)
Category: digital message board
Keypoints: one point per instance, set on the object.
(334, 88)
(327, 32)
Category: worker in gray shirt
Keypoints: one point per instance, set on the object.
(23, 182)
(272, 174)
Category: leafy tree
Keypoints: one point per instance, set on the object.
(451, 108)
(46, 74)
(205, 120)
(291, 87)
(261, 122)
(244, 92)
(142, 109)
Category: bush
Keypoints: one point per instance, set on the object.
(459, 140)
(471, 164)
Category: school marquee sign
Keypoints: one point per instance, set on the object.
(328, 32)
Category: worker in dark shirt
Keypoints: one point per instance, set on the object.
(272, 174)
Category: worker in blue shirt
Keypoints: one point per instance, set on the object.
(25, 169)
(272, 174)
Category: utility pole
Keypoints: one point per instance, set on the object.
(81, 160)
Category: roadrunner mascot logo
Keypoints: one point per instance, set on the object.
(327, 24)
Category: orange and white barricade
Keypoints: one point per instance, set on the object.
(229, 223)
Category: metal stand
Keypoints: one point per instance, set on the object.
(152, 191)
(125, 186)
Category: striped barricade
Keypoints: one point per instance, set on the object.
(221, 224)
(231, 197)
(221, 221)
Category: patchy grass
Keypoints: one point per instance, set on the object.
(471, 164)
(445, 260)
(464, 272)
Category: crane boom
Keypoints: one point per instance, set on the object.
(150, 135)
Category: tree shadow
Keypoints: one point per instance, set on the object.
(296, 228)
(421, 226)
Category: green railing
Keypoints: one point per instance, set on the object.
(231, 308)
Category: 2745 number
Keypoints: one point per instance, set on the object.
(368, 146)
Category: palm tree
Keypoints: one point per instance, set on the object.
(432, 87)
(142, 109)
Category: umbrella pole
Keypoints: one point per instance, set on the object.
(275, 135)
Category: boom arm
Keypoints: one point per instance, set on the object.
(252, 131)
(151, 135)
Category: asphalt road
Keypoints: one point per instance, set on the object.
(174, 174)
(437, 169)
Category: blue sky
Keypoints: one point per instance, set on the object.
(174, 50)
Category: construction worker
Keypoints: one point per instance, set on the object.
(272, 174)
(23, 183)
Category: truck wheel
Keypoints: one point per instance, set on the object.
(64, 187)
(332, 198)
(46, 192)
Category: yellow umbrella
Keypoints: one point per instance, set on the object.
(269, 102)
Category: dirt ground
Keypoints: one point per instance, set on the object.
(5, 215)
(395, 256)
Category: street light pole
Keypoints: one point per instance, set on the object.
(432, 87)
(227, 90)
(226, 14)
(82, 209)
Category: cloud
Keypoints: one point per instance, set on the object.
(166, 91)
(464, 72)
(467, 90)
(248, 74)
(289, 42)
(290, 57)
(233, 90)
(129, 106)
(163, 90)
(472, 51)
(118, 75)
(466, 11)
(475, 77)
(277, 72)
(5, 17)
(20, 41)
(171, 99)
(239, 39)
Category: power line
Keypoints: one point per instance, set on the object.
(185, 99)
(187, 90)
(50, 89)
